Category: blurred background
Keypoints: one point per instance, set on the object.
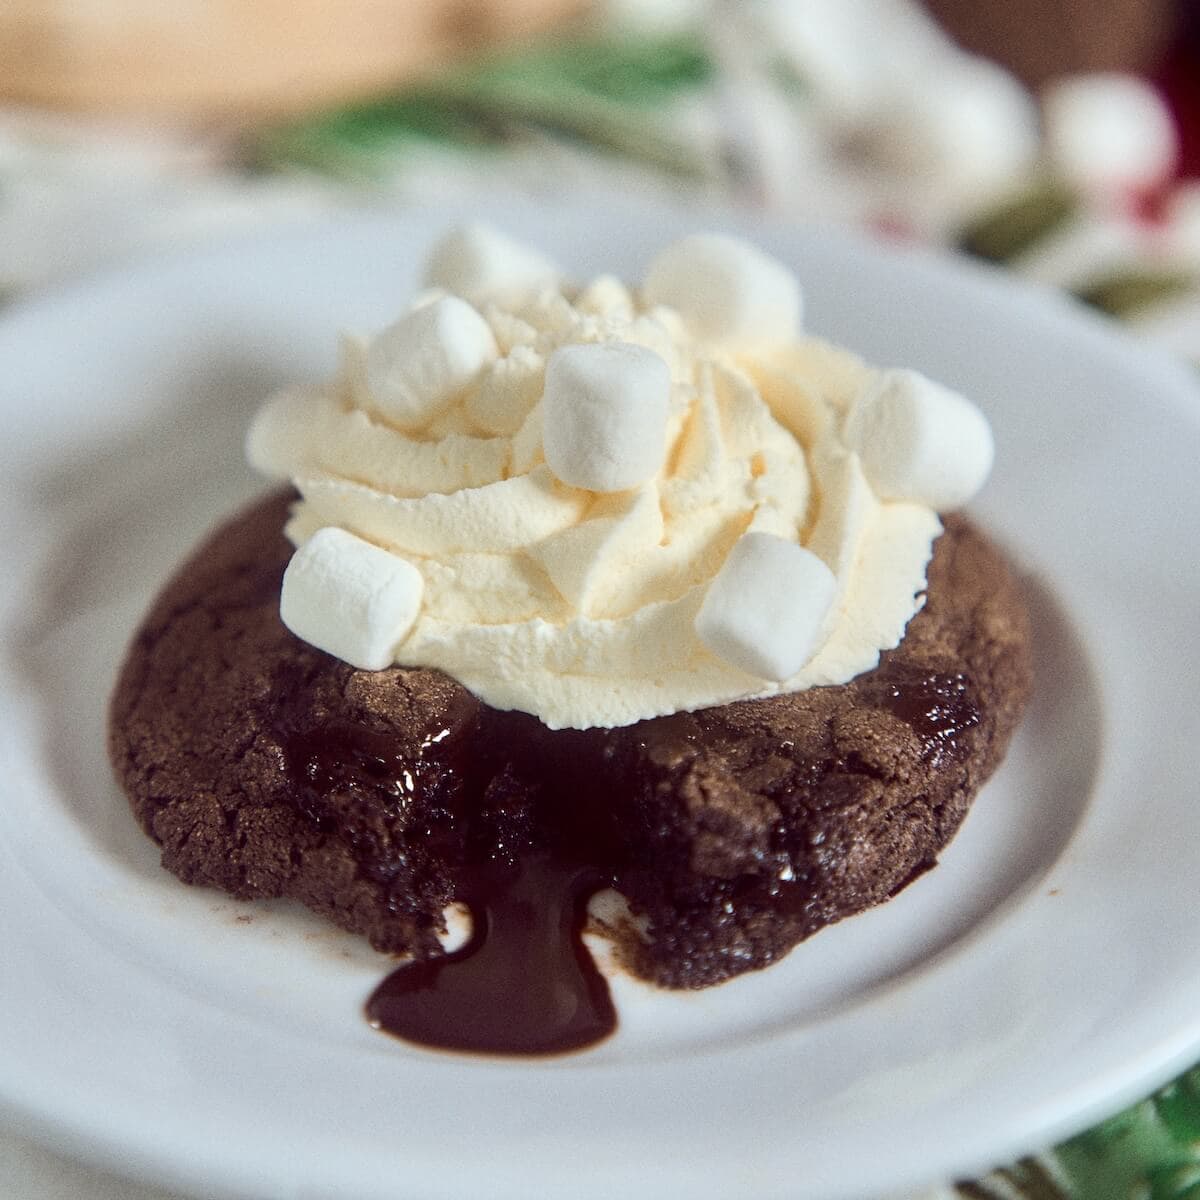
(1060, 138)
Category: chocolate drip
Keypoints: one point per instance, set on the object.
(938, 707)
(363, 786)
(523, 984)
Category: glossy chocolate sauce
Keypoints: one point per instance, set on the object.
(938, 707)
(524, 983)
(522, 826)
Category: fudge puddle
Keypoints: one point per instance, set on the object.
(523, 984)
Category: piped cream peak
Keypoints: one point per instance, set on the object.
(615, 504)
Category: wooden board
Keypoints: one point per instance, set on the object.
(223, 57)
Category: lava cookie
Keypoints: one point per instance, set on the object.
(631, 606)
(265, 767)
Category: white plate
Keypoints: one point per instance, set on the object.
(1048, 971)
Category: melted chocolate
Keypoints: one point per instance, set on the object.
(530, 820)
(523, 984)
(379, 798)
(938, 707)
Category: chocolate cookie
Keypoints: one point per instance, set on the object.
(264, 767)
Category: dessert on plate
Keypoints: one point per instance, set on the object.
(582, 606)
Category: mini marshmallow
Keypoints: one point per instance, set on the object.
(419, 364)
(967, 129)
(725, 289)
(350, 598)
(604, 415)
(918, 440)
(766, 608)
(479, 262)
(1110, 131)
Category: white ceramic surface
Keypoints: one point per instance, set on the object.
(1044, 974)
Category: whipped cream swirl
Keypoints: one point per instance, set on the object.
(584, 607)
